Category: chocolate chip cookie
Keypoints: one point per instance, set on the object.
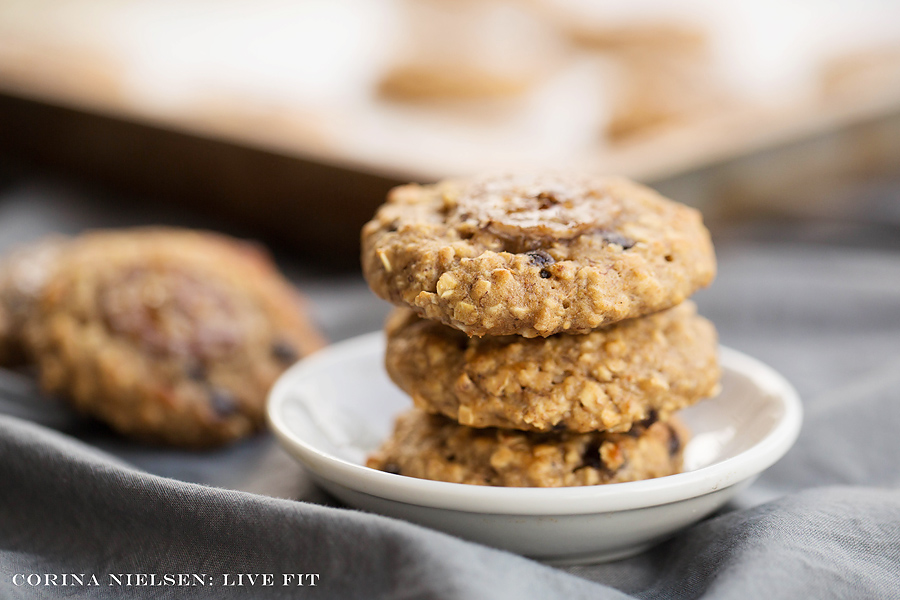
(170, 336)
(535, 255)
(434, 447)
(605, 380)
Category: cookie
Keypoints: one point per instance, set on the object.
(170, 336)
(664, 74)
(434, 447)
(660, 38)
(414, 82)
(535, 255)
(508, 51)
(657, 91)
(605, 380)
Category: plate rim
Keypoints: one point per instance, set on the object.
(537, 501)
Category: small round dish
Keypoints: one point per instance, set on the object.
(332, 409)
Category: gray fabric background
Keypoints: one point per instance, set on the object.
(822, 523)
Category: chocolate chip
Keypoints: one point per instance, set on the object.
(652, 417)
(545, 274)
(559, 427)
(540, 258)
(674, 441)
(284, 351)
(619, 240)
(392, 468)
(223, 402)
(451, 457)
(638, 429)
(591, 457)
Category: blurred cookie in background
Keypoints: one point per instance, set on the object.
(637, 36)
(468, 50)
(447, 81)
(659, 90)
(654, 72)
(169, 336)
(663, 73)
(862, 72)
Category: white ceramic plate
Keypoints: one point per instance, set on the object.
(332, 409)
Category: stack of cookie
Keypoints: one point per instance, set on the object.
(544, 336)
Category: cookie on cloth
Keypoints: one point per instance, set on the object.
(434, 447)
(535, 255)
(170, 336)
(605, 380)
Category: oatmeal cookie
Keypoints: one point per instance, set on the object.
(434, 447)
(657, 91)
(171, 336)
(605, 380)
(664, 74)
(535, 255)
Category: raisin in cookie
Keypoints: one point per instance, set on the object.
(535, 255)
(170, 336)
(434, 447)
(605, 380)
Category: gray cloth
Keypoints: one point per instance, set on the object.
(822, 523)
